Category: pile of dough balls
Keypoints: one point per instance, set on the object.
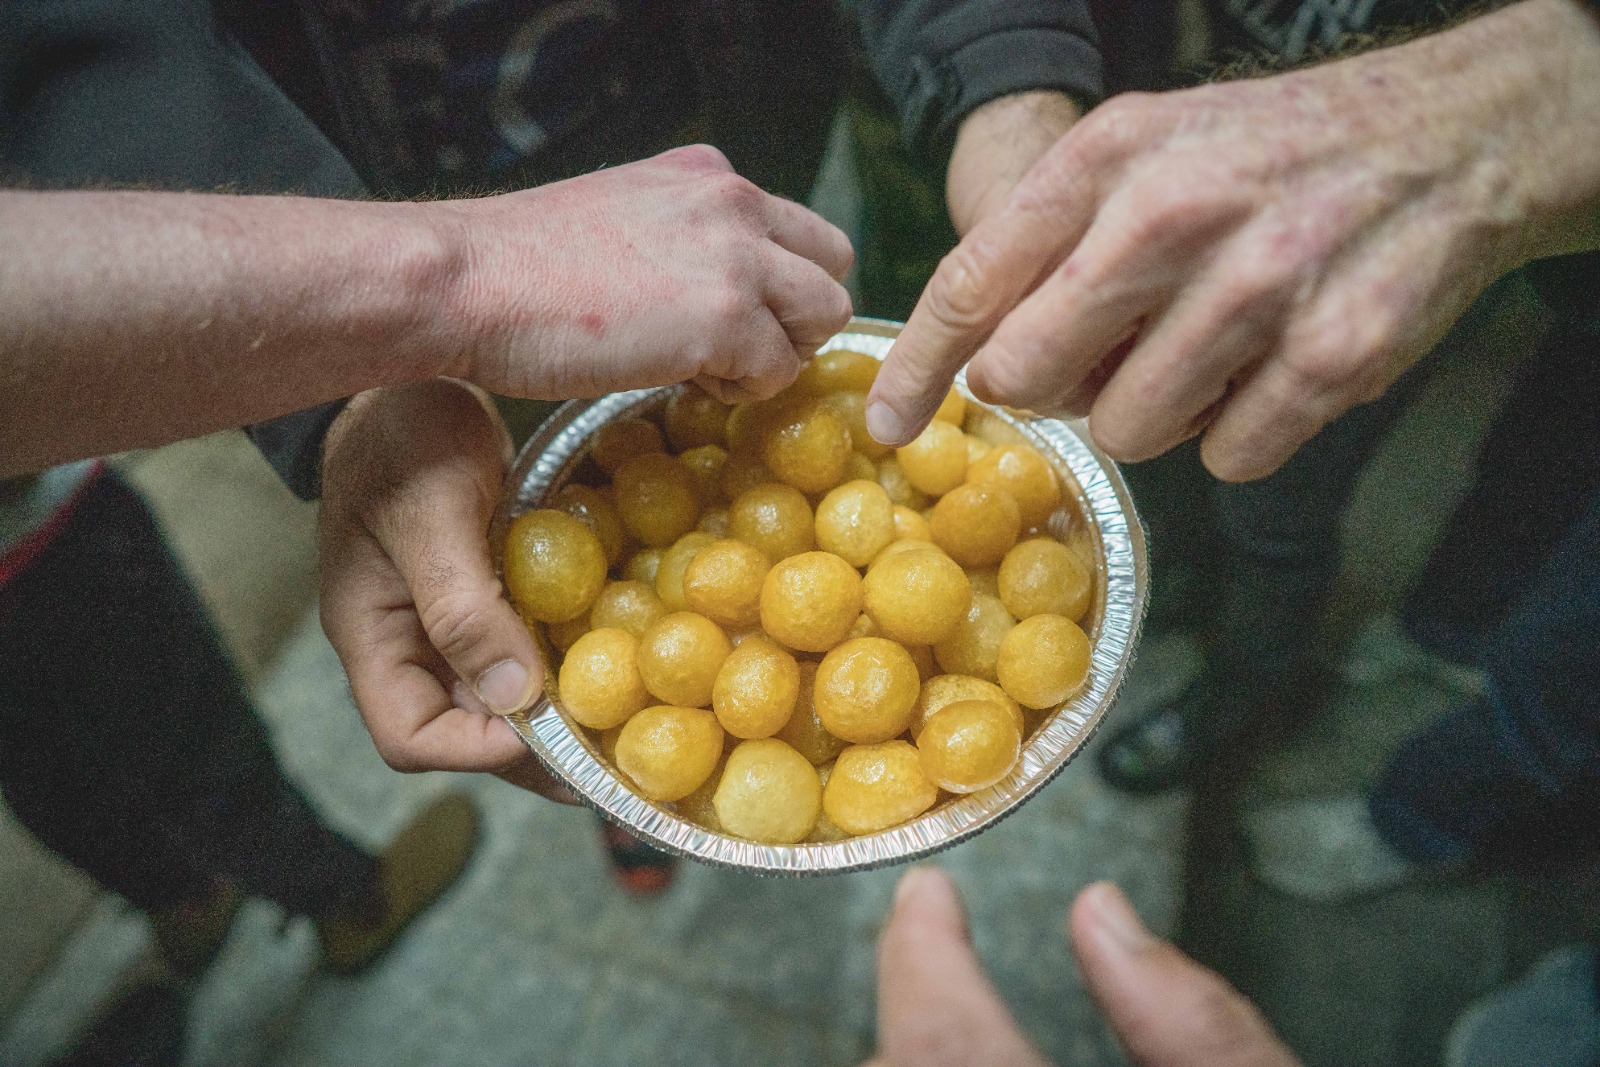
(791, 632)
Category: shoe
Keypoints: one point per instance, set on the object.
(641, 869)
(188, 935)
(423, 861)
(1384, 653)
(1326, 850)
(1551, 1018)
(1167, 748)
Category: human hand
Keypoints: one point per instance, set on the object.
(936, 1008)
(1250, 259)
(410, 600)
(666, 270)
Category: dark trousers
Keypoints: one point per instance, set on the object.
(1532, 743)
(127, 743)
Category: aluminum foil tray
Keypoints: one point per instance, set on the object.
(550, 457)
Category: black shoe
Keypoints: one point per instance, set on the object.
(1170, 746)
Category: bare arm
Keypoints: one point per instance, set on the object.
(134, 318)
(131, 318)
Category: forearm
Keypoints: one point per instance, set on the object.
(1545, 57)
(130, 318)
(996, 145)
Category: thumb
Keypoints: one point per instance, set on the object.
(1166, 1009)
(936, 1008)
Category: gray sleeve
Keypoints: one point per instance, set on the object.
(938, 60)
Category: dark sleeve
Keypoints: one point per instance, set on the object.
(938, 60)
(96, 93)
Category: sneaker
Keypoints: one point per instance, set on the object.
(1551, 1018)
(424, 860)
(1325, 849)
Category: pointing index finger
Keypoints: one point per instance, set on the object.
(998, 263)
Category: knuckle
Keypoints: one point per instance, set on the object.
(735, 194)
(456, 623)
(1004, 378)
(956, 297)
(700, 157)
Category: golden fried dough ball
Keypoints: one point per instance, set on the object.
(656, 497)
(922, 656)
(564, 634)
(723, 582)
(936, 462)
(917, 597)
(694, 418)
(768, 792)
(985, 580)
(852, 408)
(976, 523)
(874, 787)
(554, 566)
(804, 731)
(599, 683)
(669, 752)
(594, 509)
(953, 408)
(974, 646)
(1043, 577)
(749, 422)
(944, 689)
(774, 518)
(810, 601)
(1026, 475)
(860, 468)
(743, 472)
(713, 521)
(864, 627)
(839, 371)
(698, 806)
(629, 605)
(674, 564)
(1043, 661)
(968, 746)
(679, 657)
(706, 464)
(617, 442)
(901, 492)
(977, 448)
(855, 521)
(866, 689)
(808, 447)
(909, 526)
(756, 689)
(643, 565)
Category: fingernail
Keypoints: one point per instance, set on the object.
(1118, 918)
(504, 687)
(884, 424)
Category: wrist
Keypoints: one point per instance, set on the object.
(996, 145)
(1530, 73)
(424, 265)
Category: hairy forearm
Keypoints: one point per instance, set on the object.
(132, 318)
(996, 145)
